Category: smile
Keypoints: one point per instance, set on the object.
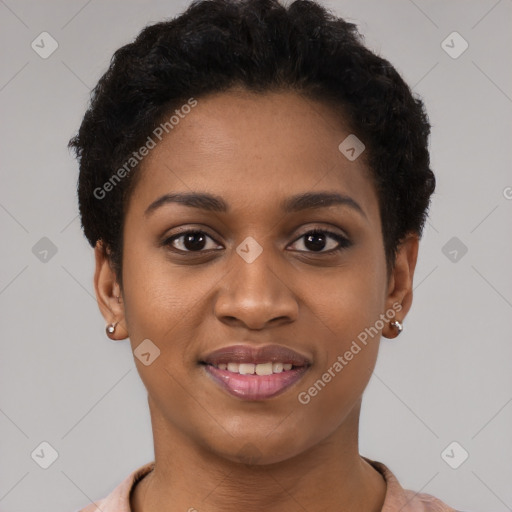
(255, 381)
(258, 369)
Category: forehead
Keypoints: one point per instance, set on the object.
(255, 150)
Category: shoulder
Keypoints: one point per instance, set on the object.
(397, 498)
(119, 498)
(422, 502)
(93, 507)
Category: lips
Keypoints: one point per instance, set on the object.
(257, 379)
(246, 354)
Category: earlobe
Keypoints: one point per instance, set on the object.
(400, 289)
(108, 294)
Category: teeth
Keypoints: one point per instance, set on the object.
(258, 369)
(246, 368)
(277, 367)
(264, 369)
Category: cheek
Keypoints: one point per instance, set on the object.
(158, 294)
(167, 304)
(161, 305)
(345, 303)
(346, 357)
(343, 313)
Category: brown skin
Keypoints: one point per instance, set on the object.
(254, 151)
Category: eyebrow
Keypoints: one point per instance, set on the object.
(213, 203)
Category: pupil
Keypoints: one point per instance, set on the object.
(194, 241)
(315, 245)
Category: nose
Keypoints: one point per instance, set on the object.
(255, 295)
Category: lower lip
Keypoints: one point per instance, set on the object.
(255, 387)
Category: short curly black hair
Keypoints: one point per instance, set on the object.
(262, 46)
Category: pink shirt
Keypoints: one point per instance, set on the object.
(396, 499)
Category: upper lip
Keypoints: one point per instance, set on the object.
(256, 355)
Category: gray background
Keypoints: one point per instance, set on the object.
(447, 378)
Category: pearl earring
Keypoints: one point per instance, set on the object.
(398, 325)
(111, 328)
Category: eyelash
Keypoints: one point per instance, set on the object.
(343, 242)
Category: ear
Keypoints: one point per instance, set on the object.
(108, 293)
(400, 289)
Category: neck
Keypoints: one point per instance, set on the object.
(328, 477)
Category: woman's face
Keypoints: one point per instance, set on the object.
(252, 274)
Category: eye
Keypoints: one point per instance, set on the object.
(191, 241)
(317, 240)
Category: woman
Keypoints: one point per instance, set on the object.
(255, 182)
